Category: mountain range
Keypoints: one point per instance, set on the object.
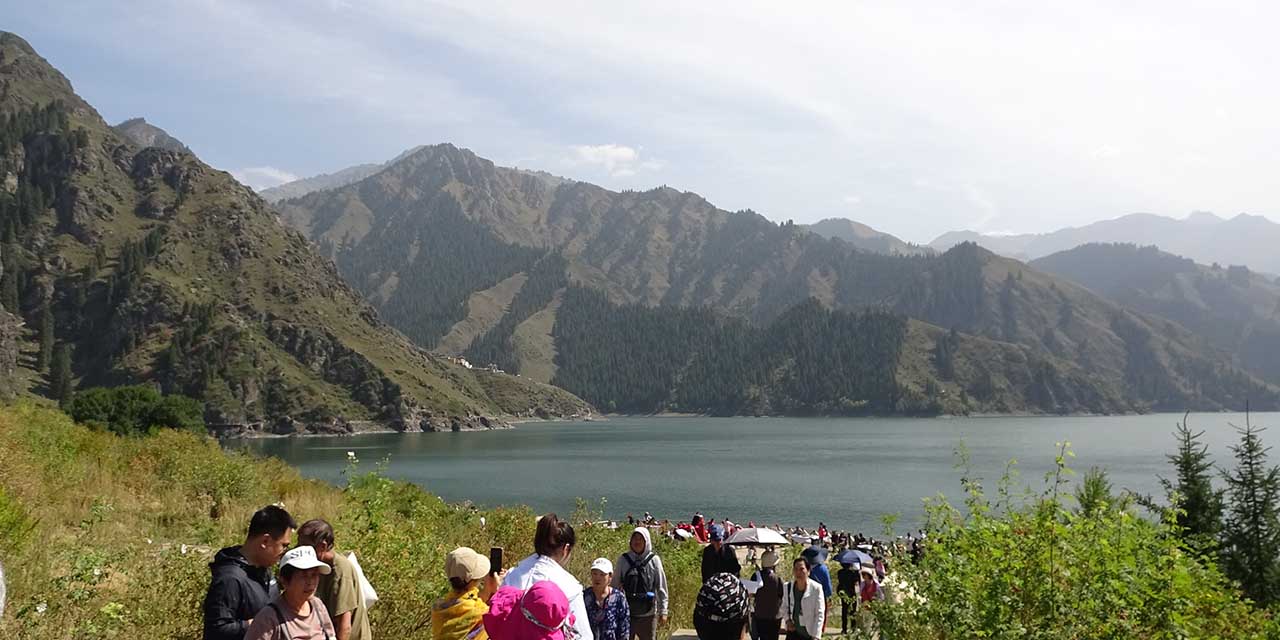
(141, 264)
(125, 259)
(569, 282)
(1203, 237)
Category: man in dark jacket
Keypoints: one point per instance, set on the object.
(241, 584)
(719, 557)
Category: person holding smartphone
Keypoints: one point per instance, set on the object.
(472, 582)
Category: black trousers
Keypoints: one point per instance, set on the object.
(768, 629)
(847, 611)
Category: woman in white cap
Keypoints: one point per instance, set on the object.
(607, 609)
(296, 614)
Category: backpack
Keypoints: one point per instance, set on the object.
(636, 585)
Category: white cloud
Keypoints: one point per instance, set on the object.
(852, 200)
(616, 160)
(1061, 115)
(259, 178)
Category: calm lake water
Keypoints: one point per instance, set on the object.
(846, 472)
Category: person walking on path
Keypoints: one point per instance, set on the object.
(816, 558)
(296, 614)
(460, 614)
(552, 544)
(847, 592)
(720, 611)
(339, 590)
(870, 589)
(607, 608)
(803, 604)
(241, 584)
(643, 581)
(768, 610)
(719, 557)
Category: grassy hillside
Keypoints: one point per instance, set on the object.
(104, 536)
(146, 265)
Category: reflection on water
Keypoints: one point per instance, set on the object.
(846, 472)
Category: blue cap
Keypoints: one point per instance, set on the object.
(717, 532)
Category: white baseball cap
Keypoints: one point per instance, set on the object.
(602, 565)
(304, 557)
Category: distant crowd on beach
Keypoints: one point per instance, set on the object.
(317, 593)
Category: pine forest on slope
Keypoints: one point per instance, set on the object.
(133, 264)
(1236, 310)
(680, 282)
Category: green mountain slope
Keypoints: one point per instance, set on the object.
(1234, 309)
(430, 238)
(148, 265)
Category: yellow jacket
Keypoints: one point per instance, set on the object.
(459, 616)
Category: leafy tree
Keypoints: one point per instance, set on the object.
(134, 409)
(1251, 533)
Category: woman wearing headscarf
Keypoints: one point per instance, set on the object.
(642, 579)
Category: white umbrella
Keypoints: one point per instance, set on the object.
(756, 537)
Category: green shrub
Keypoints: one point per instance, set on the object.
(1031, 567)
(134, 409)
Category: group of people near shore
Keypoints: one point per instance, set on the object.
(322, 594)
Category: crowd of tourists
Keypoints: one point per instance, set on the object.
(318, 593)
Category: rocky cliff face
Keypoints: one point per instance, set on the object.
(158, 268)
(144, 134)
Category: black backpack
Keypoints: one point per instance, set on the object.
(636, 586)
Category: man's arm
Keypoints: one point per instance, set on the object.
(342, 625)
(661, 594)
(220, 619)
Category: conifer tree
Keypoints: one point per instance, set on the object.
(1094, 493)
(1200, 517)
(1251, 532)
(45, 356)
(60, 382)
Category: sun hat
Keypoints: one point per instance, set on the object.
(868, 570)
(540, 613)
(722, 599)
(304, 557)
(602, 565)
(465, 564)
(717, 532)
(769, 560)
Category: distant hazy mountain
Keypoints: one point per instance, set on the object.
(1236, 310)
(1203, 237)
(864, 237)
(340, 178)
(659, 300)
(144, 134)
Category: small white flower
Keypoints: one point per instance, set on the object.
(351, 455)
(40, 608)
(97, 572)
(183, 549)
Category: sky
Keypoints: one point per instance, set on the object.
(913, 117)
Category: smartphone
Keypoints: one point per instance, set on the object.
(495, 559)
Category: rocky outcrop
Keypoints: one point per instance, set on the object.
(145, 134)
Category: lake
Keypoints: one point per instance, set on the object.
(844, 471)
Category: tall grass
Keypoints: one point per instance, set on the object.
(110, 537)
